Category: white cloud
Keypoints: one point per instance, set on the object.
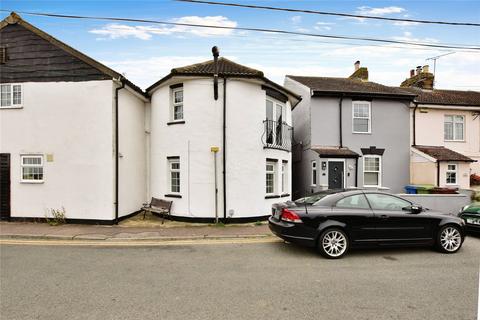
(145, 72)
(296, 19)
(323, 26)
(364, 10)
(407, 36)
(405, 23)
(116, 31)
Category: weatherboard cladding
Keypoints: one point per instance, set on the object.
(30, 58)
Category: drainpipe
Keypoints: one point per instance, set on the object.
(413, 124)
(438, 173)
(116, 149)
(224, 149)
(340, 101)
(356, 172)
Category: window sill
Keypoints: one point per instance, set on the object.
(454, 140)
(31, 182)
(175, 122)
(361, 132)
(12, 107)
(285, 195)
(173, 195)
(272, 196)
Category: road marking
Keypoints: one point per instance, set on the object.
(136, 243)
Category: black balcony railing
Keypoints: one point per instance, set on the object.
(277, 135)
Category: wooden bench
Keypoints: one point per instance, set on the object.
(158, 206)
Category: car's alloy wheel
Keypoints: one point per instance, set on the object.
(449, 239)
(333, 243)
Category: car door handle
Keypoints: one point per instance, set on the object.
(383, 216)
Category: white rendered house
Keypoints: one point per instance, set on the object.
(72, 131)
(220, 152)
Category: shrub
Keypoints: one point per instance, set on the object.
(55, 217)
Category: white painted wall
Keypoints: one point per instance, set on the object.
(202, 129)
(133, 153)
(73, 122)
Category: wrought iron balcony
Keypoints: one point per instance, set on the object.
(277, 135)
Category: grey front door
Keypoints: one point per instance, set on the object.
(335, 175)
(4, 185)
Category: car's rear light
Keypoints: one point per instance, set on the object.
(290, 216)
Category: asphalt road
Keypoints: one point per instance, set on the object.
(236, 281)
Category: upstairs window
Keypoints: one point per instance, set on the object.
(10, 96)
(361, 120)
(177, 104)
(454, 126)
(32, 168)
(451, 173)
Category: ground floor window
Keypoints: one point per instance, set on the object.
(32, 168)
(372, 165)
(314, 173)
(270, 177)
(284, 177)
(174, 175)
(451, 173)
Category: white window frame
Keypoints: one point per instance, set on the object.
(369, 171)
(12, 105)
(451, 171)
(453, 127)
(274, 173)
(176, 104)
(41, 165)
(314, 173)
(170, 171)
(369, 118)
(284, 173)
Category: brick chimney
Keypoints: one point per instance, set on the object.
(359, 73)
(420, 77)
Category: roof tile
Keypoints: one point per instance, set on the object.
(346, 85)
(446, 97)
(443, 154)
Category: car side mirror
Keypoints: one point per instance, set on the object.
(415, 209)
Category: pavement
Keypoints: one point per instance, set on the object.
(133, 229)
(233, 280)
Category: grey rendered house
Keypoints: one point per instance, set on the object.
(349, 133)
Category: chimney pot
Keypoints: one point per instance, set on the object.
(426, 68)
(419, 69)
(357, 65)
(412, 73)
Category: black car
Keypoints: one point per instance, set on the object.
(334, 221)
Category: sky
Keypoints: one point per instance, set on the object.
(146, 52)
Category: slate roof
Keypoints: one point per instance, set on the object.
(225, 68)
(329, 85)
(446, 97)
(326, 152)
(443, 154)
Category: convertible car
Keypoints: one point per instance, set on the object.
(336, 220)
